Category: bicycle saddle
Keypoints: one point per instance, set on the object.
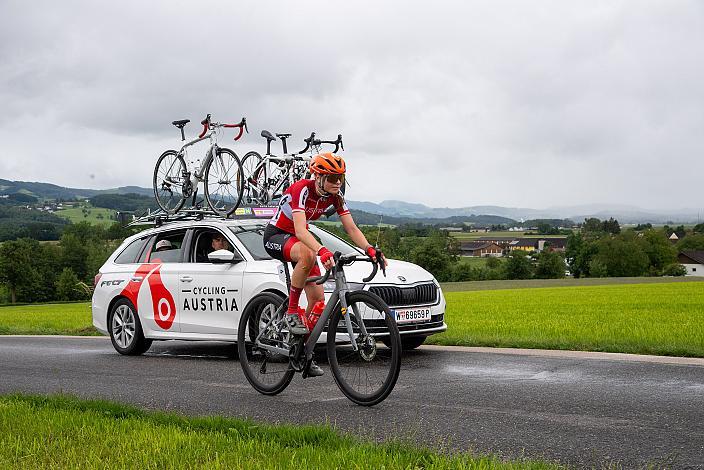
(283, 136)
(181, 123)
(267, 135)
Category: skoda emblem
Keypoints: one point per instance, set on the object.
(401, 278)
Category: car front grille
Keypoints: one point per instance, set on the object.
(379, 326)
(422, 294)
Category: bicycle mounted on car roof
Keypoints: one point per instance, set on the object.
(220, 171)
(266, 178)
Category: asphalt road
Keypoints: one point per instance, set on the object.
(577, 410)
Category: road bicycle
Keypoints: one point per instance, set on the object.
(363, 342)
(220, 170)
(266, 178)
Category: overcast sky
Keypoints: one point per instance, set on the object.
(513, 103)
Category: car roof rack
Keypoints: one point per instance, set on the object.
(159, 217)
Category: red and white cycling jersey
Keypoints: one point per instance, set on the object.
(301, 196)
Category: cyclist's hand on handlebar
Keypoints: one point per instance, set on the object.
(326, 257)
(376, 255)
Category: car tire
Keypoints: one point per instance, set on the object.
(409, 343)
(126, 330)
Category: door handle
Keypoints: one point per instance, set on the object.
(186, 278)
(137, 279)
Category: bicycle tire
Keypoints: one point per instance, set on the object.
(157, 185)
(254, 195)
(341, 354)
(248, 329)
(224, 207)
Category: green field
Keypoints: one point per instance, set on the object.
(474, 261)
(473, 235)
(566, 282)
(661, 319)
(47, 319)
(64, 432)
(663, 316)
(75, 215)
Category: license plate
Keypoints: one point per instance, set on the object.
(412, 315)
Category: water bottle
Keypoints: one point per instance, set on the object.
(315, 313)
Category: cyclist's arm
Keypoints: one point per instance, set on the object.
(300, 225)
(354, 232)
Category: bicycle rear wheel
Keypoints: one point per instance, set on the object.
(255, 179)
(269, 373)
(168, 181)
(224, 181)
(366, 376)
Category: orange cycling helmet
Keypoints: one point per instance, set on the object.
(327, 164)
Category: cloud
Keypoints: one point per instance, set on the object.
(453, 104)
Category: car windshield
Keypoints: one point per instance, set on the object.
(252, 238)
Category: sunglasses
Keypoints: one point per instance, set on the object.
(334, 179)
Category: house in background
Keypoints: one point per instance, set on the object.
(693, 261)
(480, 249)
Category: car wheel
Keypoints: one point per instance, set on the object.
(126, 330)
(409, 342)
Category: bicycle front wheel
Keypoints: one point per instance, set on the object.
(255, 179)
(368, 375)
(224, 181)
(169, 179)
(269, 373)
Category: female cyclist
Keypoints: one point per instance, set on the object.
(287, 238)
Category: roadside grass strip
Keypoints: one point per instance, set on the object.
(65, 432)
(566, 282)
(47, 319)
(658, 319)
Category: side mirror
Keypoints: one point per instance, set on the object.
(224, 256)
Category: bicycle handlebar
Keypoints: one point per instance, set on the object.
(242, 126)
(207, 124)
(308, 142)
(341, 260)
(337, 143)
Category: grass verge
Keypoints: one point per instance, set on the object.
(65, 432)
(661, 319)
(567, 282)
(47, 319)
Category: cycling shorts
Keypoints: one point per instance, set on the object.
(278, 244)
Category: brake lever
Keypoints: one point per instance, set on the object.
(380, 260)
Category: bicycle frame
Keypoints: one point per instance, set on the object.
(339, 294)
(288, 160)
(198, 171)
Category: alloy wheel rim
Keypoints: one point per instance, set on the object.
(123, 326)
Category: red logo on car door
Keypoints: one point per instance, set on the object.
(163, 304)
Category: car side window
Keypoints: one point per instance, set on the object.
(129, 254)
(166, 247)
(206, 241)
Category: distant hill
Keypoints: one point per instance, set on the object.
(403, 210)
(53, 191)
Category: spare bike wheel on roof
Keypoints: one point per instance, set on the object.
(169, 180)
(224, 182)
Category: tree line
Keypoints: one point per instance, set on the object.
(31, 271)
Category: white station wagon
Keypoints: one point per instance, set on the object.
(167, 283)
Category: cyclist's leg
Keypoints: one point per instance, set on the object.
(314, 292)
(305, 265)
